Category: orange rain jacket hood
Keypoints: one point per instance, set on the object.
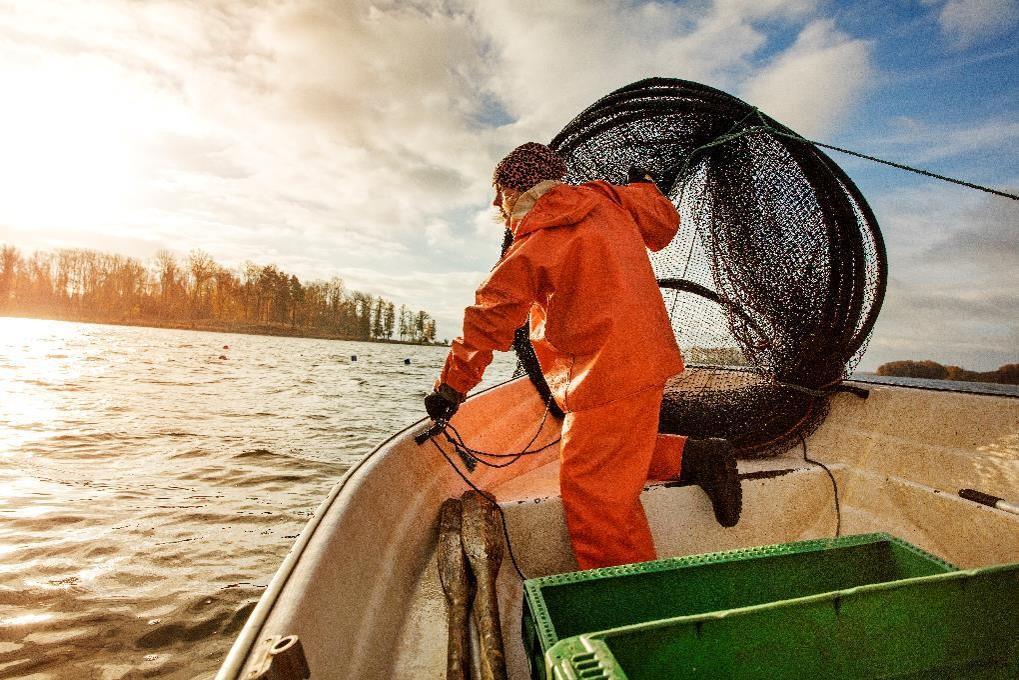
(579, 270)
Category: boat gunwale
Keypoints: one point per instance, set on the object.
(1005, 390)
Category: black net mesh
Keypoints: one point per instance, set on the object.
(777, 274)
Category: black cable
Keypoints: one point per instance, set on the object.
(502, 514)
(467, 451)
(768, 129)
(919, 171)
(514, 457)
(834, 484)
(527, 451)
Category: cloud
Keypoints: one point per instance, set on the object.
(949, 324)
(925, 141)
(357, 138)
(814, 84)
(550, 69)
(355, 117)
(353, 138)
(441, 238)
(985, 237)
(967, 22)
(951, 296)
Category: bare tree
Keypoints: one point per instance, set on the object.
(389, 320)
(201, 269)
(9, 259)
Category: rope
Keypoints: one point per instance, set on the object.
(834, 484)
(468, 452)
(767, 129)
(919, 171)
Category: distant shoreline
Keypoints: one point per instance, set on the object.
(276, 330)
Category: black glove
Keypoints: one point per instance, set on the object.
(443, 403)
(637, 174)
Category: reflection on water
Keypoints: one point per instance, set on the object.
(149, 489)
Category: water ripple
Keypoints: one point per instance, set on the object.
(151, 489)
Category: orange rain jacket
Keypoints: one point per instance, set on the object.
(579, 269)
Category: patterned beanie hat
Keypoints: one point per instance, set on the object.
(527, 165)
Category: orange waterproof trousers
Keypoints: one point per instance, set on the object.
(608, 452)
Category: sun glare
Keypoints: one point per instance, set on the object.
(69, 146)
(28, 406)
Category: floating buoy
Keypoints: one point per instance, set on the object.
(353, 357)
(226, 346)
(406, 361)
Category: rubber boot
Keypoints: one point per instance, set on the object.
(711, 465)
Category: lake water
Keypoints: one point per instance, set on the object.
(149, 488)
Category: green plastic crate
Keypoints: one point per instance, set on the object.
(963, 624)
(566, 605)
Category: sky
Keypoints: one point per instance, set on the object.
(358, 138)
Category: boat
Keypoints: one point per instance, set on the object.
(360, 589)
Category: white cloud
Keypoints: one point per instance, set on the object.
(441, 238)
(556, 58)
(814, 84)
(967, 22)
(950, 324)
(353, 138)
(923, 142)
(952, 258)
(318, 120)
(486, 222)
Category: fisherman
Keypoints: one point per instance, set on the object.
(578, 270)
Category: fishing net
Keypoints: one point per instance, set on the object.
(776, 276)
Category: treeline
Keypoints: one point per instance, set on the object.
(87, 285)
(1007, 374)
